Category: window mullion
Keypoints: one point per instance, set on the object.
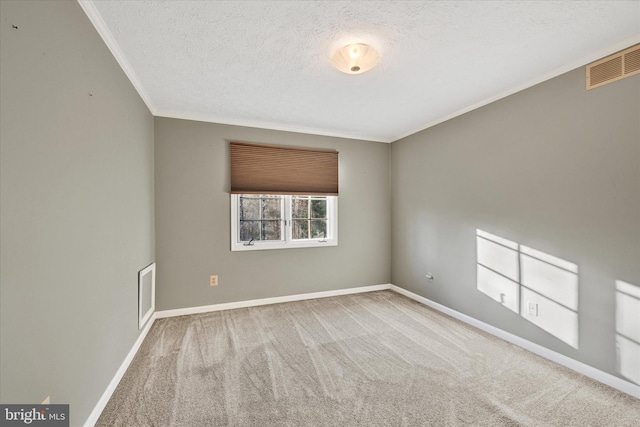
(308, 219)
(260, 217)
(287, 219)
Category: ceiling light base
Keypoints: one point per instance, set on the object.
(355, 58)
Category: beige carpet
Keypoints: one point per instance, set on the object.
(374, 359)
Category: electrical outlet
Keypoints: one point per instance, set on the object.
(213, 280)
(532, 309)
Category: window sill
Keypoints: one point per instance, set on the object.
(259, 246)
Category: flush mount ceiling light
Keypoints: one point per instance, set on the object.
(355, 58)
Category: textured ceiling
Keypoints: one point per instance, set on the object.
(268, 63)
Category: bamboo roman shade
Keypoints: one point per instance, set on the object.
(270, 169)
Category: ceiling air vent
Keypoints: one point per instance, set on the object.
(615, 67)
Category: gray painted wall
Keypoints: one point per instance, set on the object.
(193, 220)
(76, 207)
(555, 168)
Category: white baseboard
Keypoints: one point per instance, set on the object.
(572, 364)
(104, 399)
(581, 368)
(266, 301)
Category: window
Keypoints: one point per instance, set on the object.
(283, 197)
(268, 221)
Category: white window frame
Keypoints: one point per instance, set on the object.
(288, 243)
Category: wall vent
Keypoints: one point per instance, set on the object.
(615, 67)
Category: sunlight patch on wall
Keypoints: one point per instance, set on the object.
(498, 270)
(550, 280)
(628, 330)
(499, 288)
(517, 276)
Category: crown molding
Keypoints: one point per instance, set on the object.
(594, 56)
(101, 27)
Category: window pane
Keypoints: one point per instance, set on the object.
(249, 208)
(300, 207)
(300, 229)
(271, 208)
(249, 230)
(318, 229)
(319, 208)
(271, 230)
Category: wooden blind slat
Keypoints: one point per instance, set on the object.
(268, 169)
